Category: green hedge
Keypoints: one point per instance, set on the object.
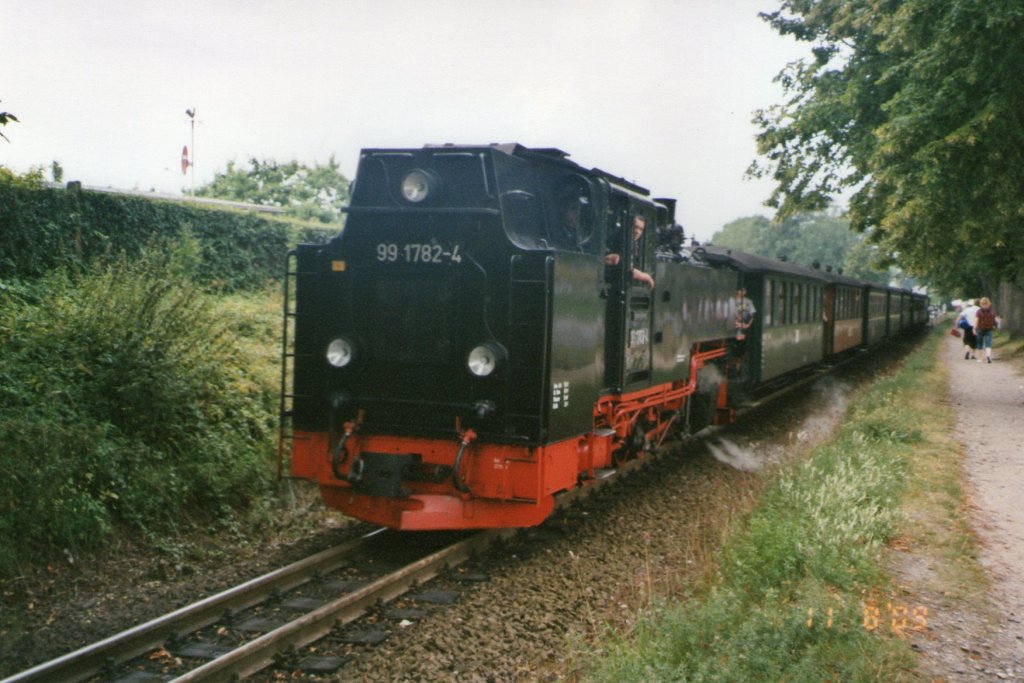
(43, 228)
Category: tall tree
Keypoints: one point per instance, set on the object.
(310, 193)
(915, 106)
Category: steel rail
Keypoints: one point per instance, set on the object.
(95, 658)
(260, 653)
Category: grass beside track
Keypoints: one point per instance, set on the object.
(804, 590)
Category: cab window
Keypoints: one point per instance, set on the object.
(572, 218)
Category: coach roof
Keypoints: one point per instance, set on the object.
(752, 263)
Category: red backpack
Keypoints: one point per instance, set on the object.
(986, 319)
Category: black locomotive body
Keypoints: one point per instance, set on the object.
(480, 338)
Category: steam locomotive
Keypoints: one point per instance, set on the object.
(483, 335)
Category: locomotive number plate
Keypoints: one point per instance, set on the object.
(412, 252)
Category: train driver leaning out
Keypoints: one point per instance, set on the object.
(613, 259)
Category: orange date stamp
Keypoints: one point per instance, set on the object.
(894, 617)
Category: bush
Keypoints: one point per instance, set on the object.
(124, 398)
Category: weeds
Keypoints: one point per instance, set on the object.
(125, 398)
(801, 590)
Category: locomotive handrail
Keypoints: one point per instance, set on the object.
(283, 413)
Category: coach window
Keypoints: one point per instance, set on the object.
(780, 303)
(768, 298)
(790, 307)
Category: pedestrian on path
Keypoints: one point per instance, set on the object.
(965, 321)
(985, 324)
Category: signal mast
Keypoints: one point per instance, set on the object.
(185, 161)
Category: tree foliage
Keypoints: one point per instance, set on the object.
(5, 117)
(806, 239)
(915, 107)
(308, 193)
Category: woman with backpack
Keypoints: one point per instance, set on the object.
(985, 323)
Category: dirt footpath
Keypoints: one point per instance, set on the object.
(988, 400)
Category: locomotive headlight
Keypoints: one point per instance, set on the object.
(484, 359)
(340, 352)
(418, 185)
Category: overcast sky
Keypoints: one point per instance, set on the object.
(656, 91)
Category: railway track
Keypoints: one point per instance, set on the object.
(231, 635)
(158, 649)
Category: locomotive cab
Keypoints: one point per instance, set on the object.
(439, 294)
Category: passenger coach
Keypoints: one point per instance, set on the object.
(788, 332)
